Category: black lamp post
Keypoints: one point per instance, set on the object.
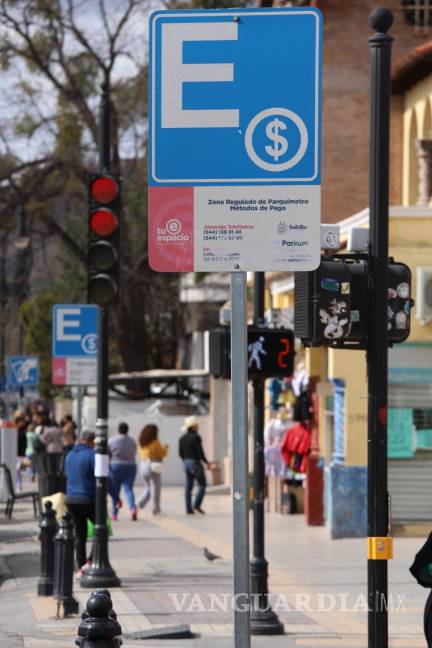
(101, 573)
(379, 541)
(263, 620)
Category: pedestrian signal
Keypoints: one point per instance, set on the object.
(270, 352)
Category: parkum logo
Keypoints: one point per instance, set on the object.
(172, 232)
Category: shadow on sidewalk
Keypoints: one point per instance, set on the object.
(21, 566)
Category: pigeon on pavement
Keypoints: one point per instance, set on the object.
(209, 555)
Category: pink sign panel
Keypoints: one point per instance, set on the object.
(171, 236)
(58, 371)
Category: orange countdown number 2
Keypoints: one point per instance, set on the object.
(283, 355)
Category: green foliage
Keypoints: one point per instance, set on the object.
(36, 316)
(67, 63)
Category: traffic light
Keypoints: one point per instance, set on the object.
(270, 352)
(332, 303)
(104, 196)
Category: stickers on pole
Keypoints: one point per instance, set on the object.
(234, 140)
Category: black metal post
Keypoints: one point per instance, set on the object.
(64, 567)
(379, 542)
(263, 620)
(48, 529)
(99, 626)
(100, 572)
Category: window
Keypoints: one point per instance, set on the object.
(418, 13)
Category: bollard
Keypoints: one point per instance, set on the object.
(48, 529)
(99, 627)
(64, 567)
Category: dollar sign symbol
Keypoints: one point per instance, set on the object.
(280, 143)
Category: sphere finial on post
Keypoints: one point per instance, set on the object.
(99, 626)
(381, 19)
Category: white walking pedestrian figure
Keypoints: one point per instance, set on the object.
(256, 349)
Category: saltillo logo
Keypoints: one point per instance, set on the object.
(172, 232)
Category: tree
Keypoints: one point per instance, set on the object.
(58, 53)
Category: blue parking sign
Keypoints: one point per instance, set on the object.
(75, 331)
(23, 371)
(234, 139)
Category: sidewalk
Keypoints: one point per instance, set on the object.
(318, 585)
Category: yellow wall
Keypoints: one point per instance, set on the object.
(417, 124)
(350, 366)
(283, 300)
(411, 243)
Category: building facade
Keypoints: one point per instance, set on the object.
(341, 375)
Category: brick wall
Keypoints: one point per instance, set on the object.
(346, 105)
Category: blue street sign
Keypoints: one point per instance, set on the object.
(75, 331)
(235, 97)
(23, 371)
(234, 140)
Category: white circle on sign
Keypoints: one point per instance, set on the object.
(89, 343)
(173, 226)
(292, 161)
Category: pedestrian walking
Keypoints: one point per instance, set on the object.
(21, 427)
(81, 491)
(152, 454)
(52, 437)
(122, 450)
(30, 450)
(193, 456)
(68, 427)
(42, 423)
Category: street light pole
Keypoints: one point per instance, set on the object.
(379, 542)
(101, 573)
(263, 620)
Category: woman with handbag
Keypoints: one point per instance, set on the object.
(151, 453)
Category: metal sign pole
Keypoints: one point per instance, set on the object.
(239, 387)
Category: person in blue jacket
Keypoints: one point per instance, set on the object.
(81, 490)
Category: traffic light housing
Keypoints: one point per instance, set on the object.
(104, 199)
(270, 352)
(332, 303)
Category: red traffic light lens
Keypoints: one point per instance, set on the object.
(103, 222)
(104, 189)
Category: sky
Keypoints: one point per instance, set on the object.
(135, 42)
